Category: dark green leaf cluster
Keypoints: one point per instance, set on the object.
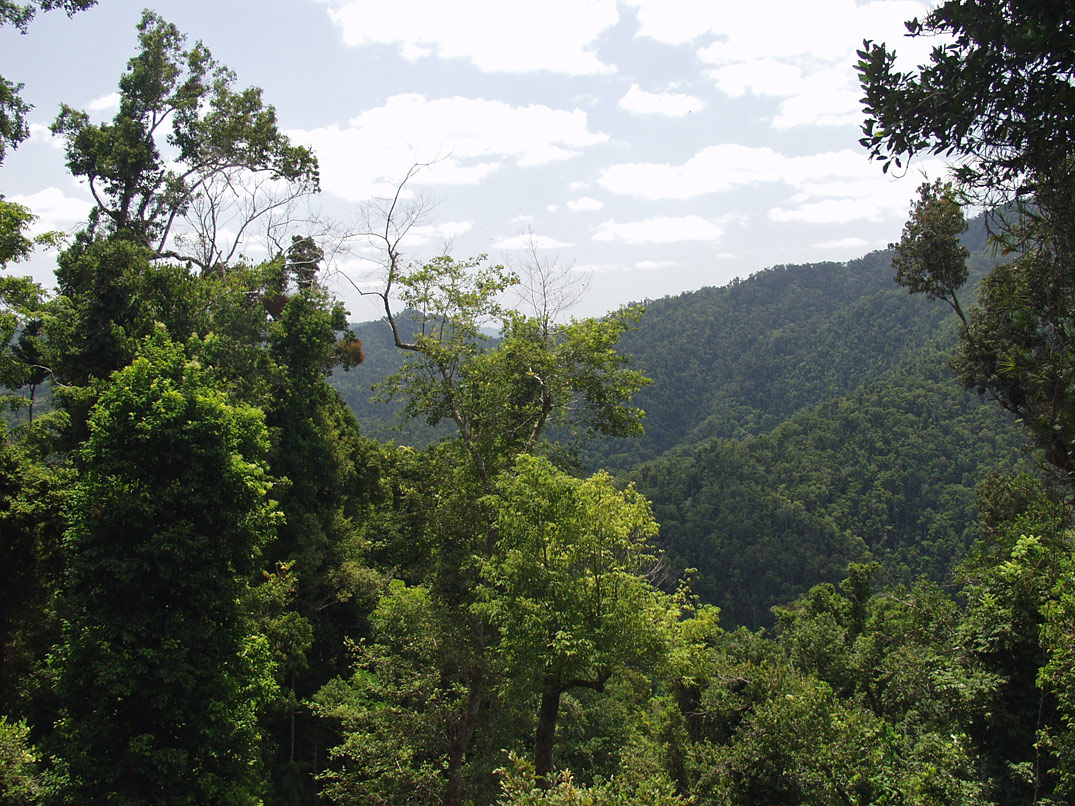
(154, 626)
(997, 92)
(929, 258)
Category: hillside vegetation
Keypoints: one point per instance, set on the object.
(798, 420)
(219, 588)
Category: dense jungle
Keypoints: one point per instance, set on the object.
(806, 538)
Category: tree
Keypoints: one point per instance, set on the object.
(394, 707)
(929, 258)
(501, 397)
(1015, 584)
(998, 98)
(996, 94)
(1058, 675)
(19, 781)
(567, 588)
(327, 480)
(219, 135)
(518, 788)
(14, 221)
(21, 303)
(160, 676)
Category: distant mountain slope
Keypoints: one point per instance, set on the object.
(739, 360)
(730, 361)
(887, 472)
(379, 419)
(798, 420)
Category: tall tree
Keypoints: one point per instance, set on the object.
(327, 475)
(997, 97)
(501, 398)
(160, 676)
(186, 99)
(567, 588)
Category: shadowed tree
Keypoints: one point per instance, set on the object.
(160, 678)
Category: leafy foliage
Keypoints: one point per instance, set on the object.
(215, 131)
(997, 91)
(518, 789)
(566, 587)
(999, 98)
(158, 672)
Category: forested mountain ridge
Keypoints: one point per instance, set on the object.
(729, 361)
(738, 360)
(887, 473)
(798, 420)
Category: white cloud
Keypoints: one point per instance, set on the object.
(823, 96)
(678, 22)
(833, 211)
(718, 169)
(663, 229)
(819, 30)
(715, 169)
(473, 138)
(585, 204)
(650, 265)
(598, 268)
(809, 48)
(105, 103)
(552, 208)
(529, 240)
(828, 97)
(54, 209)
(758, 77)
(40, 133)
(669, 104)
(842, 243)
(445, 231)
(493, 35)
(833, 186)
(840, 198)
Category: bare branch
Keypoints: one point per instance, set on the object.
(547, 289)
(386, 223)
(230, 204)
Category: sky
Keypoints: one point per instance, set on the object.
(651, 147)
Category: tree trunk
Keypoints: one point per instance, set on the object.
(462, 733)
(545, 734)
